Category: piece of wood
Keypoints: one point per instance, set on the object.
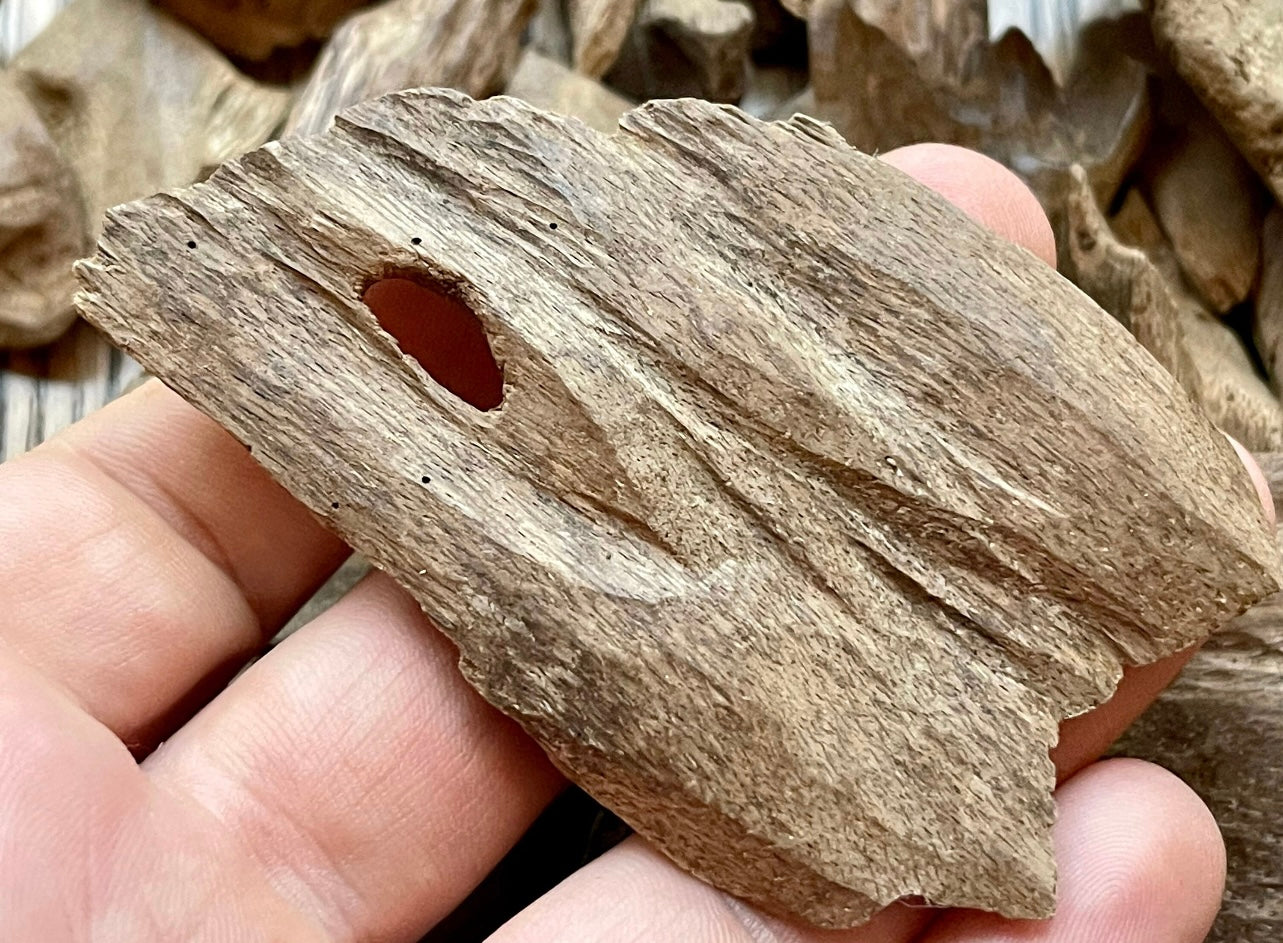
(598, 29)
(550, 32)
(1229, 53)
(471, 45)
(1054, 27)
(1268, 310)
(134, 103)
(1220, 728)
(1143, 288)
(1210, 204)
(547, 84)
(1003, 103)
(256, 30)
(714, 36)
(810, 509)
(43, 229)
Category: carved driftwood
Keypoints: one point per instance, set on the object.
(255, 30)
(1210, 204)
(810, 509)
(1142, 287)
(1004, 104)
(43, 230)
(471, 45)
(598, 29)
(93, 77)
(1229, 52)
(549, 85)
(1220, 728)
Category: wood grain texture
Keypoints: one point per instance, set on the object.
(256, 30)
(810, 509)
(1229, 52)
(1220, 728)
(1142, 286)
(471, 45)
(598, 29)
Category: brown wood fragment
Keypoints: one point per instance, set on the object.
(547, 84)
(1210, 204)
(994, 98)
(714, 35)
(1143, 288)
(1220, 728)
(598, 29)
(43, 229)
(94, 77)
(256, 30)
(471, 45)
(1268, 311)
(1229, 53)
(811, 507)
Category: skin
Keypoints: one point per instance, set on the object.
(351, 786)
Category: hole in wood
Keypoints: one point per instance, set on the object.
(443, 335)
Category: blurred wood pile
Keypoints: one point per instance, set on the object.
(1154, 140)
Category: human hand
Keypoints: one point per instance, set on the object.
(351, 786)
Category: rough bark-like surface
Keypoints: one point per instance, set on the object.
(547, 84)
(471, 45)
(714, 36)
(1220, 728)
(256, 30)
(811, 507)
(1210, 204)
(1229, 52)
(1006, 106)
(1268, 326)
(43, 230)
(134, 103)
(1142, 287)
(598, 29)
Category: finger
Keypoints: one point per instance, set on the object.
(356, 763)
(144, 555)
(983, 188)
(1140, 858)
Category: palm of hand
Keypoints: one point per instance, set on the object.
(351, 786)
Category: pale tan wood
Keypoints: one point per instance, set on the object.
(811, 507)
(133, 103)
(256, 30)
(598, 29)
(1229, 52)
(546, 83)
(714, 36)
(1210, 204)
(1004, 105)
(43, 228)
(1268, 311)
(470, 45)
(1143, 288)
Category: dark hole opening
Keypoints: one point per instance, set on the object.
(443, 335)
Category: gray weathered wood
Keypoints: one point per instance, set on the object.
(811, 507)
(471, 45)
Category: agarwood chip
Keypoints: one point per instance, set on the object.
(1268, 324)
(256, 30)
(471, 45)
(1210, 204)
(598, 29)
(714, 35)
(134, 103)
(43, 230)
(1230, 54)
(547, 84)
(1142, 286)
(811, 507)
